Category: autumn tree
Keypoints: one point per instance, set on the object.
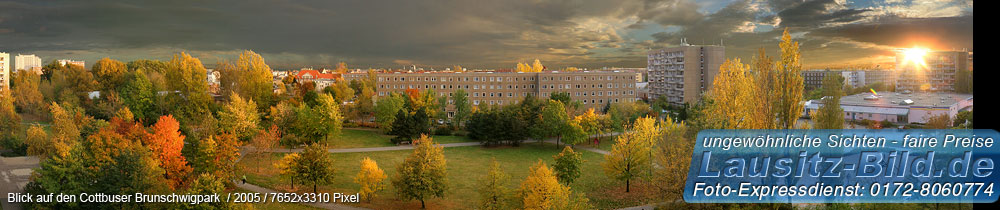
(287, 166)
(24, 88)
(265, 140)
(239, 117)
(790, 83)
(457, 68)
(166, 142)
(541, 190)
(315, 166)
(567, 166)
(330, 118)
(208, 184)
(38, 142)
(110, 73)
(592, 123)
(370, 178)
(493, 188)
(730, 93)
(10, 121)
(938, 121)
(630, 157)
(254, 78)
(217, 154)
(830, 115)
(341, 68)
(185, 76)
(423, 174)
(341, 91)
(672, 155)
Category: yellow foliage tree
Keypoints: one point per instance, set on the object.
(541, 190)
(673, 155)
(630, 156)
(371, 178)
(789, 86)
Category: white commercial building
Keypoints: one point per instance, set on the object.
(27, 62)
(900, 108)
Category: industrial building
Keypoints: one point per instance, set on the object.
(899, 108)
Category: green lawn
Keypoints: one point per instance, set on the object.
(465, 167)
(361, 138)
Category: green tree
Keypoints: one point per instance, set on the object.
(460, 99)
(830, 115)
(423, 174)
(554, 122)
(138, 94)
(493, 188)
(315, 165)
(963, 120)
(567, 166)
(386, 110)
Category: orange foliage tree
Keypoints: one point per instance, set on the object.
(166, 143)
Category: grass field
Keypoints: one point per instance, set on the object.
(362, 138)
(466, 165)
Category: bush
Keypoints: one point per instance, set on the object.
(15, 145)
(444, 130)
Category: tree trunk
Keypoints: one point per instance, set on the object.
(422, 206)
(627, 185)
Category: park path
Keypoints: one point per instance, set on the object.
(460, 144)
(15, 173)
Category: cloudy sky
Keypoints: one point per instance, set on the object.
(475, 33)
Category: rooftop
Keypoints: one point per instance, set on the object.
(894, 99)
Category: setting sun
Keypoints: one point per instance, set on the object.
(915, 56)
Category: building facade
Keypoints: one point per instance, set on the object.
(4, 71)
(593, 89)
(67, 61)
(27, 62)
(681, 74)
(936, 72)
(898, 108)
(813, 78)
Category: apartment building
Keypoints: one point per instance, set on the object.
(593, 89)
(4, 71)
(27, 63)
(936, 72)
(683, 73)
(813, 78)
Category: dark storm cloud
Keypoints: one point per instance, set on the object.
(813, 13)
(493, 34)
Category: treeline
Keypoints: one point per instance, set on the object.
(153, 127)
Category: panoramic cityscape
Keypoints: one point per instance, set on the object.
(447, 105)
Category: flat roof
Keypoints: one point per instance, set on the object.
(893, 99)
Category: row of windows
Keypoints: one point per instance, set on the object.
(592, 101)
(501, 79)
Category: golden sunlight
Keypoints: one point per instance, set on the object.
(915, 56)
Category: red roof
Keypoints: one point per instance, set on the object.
(314, 74)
